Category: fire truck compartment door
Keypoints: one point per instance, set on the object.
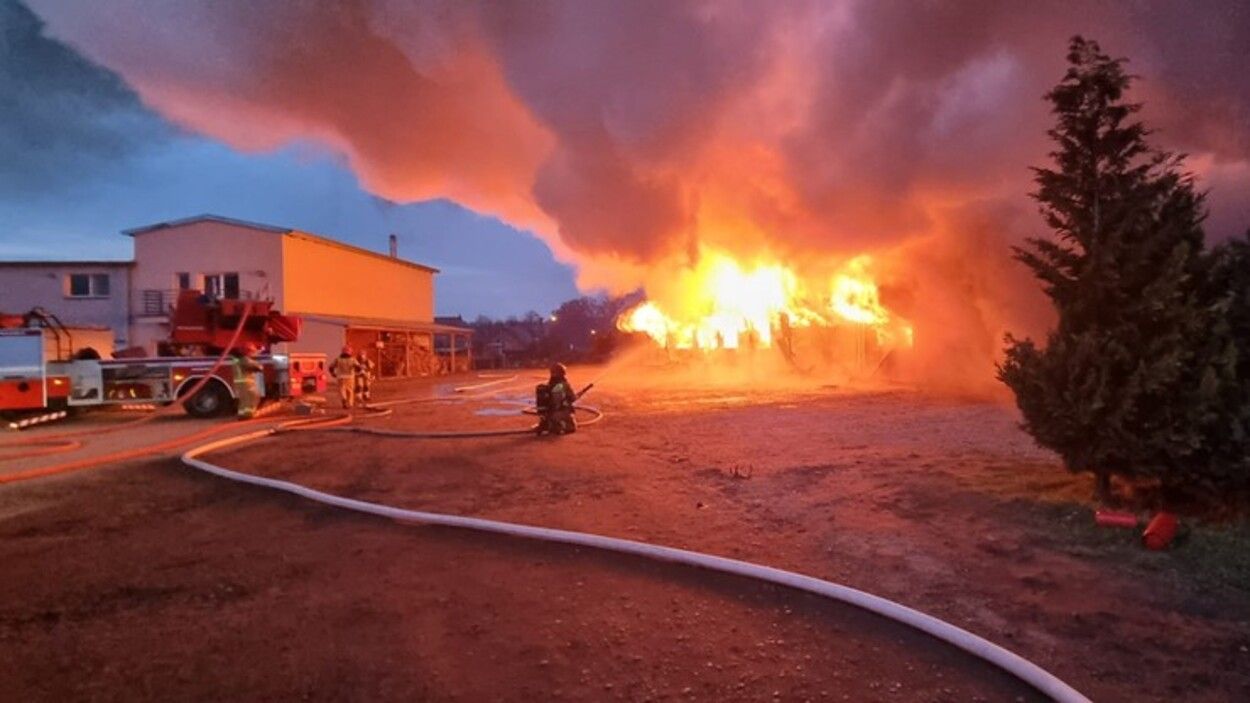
(21, 364)
(21, 355)
(86, 381)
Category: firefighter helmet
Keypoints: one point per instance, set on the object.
(558, 370)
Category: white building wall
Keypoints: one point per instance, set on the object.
(44, 284)
(199, 249)
(320, 336)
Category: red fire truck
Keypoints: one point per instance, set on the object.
(36, 376)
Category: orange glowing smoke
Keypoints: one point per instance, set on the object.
(723, 304)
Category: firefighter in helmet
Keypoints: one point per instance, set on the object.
(555, 403)
(246, 379)
(364, 378)
(344, 370)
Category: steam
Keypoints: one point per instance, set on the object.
(628, 134)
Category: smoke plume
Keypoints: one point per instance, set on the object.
(632, 134)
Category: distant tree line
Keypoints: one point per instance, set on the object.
(581, 330)
(1146, 375)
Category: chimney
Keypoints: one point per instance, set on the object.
(394, 247)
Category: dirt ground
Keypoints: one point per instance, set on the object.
(151, 582)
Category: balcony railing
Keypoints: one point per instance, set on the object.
(156, 302)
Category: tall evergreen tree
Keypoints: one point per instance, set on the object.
(1121, 270)
(1220, 386)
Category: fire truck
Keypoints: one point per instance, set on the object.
(41, 371)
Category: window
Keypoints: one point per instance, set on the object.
(222, 285)
(79, 285)
(184, 281)
(88, 285)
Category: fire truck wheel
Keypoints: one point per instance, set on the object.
(211, 400)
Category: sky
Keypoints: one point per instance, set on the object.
(82, 158)
(531, 146)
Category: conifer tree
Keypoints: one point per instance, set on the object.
(1122, 270)
(1220, 385)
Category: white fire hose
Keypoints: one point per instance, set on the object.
(980, 647)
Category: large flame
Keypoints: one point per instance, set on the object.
(723, 304)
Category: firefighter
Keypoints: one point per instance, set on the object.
(344, 369)
(246, 384)
(556, 414)
(364, 378)
(785, 334)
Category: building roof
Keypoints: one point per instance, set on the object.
(286, 231)
(70, 262)
(206, 217)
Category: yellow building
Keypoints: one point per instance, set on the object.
(375, 302)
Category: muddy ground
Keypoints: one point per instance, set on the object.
(148, 581)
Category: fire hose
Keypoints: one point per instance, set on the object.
(980, 647)
(486, 384)
(62, 442)
(595, 416)
(66, 441)
(1012, 663)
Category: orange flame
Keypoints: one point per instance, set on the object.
(722, 304)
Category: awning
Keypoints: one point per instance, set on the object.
(387, 325)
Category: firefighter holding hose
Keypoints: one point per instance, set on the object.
(247, 380)
(554, 402)
(344, 370)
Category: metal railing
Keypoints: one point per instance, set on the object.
(156, 302)
(159, 302)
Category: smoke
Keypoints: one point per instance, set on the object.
(61, 117)
(630, 134)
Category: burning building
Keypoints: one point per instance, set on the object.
(720, 304)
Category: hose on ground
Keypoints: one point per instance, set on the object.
(595, 416)
(65, 441)
(146, 450)
(511, 384)
(980, 647)
(486, 384)
(39, 447)
(1010, 662)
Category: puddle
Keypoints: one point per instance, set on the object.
(497, 411)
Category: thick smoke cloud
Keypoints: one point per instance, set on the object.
(629, 134)
(61, 118)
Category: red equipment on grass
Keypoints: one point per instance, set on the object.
(1160, 531)
(1114, 518)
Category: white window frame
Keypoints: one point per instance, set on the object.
(218, 289)
(93, 287)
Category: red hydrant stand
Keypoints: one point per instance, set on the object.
(1161, 531)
